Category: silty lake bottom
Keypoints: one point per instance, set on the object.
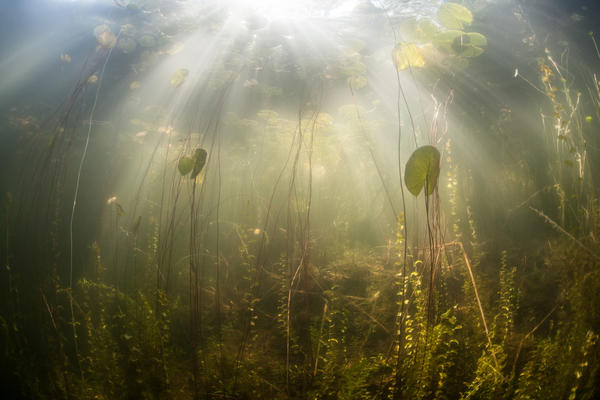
(335, 199)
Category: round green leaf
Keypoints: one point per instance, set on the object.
(199, 161)
(185, 165)
(179, 76)
(444, 40)
(419, 31)
(426, 29)
(460, 43)
(454, 16)
(422, 169)
(407, 55)
(477, 39)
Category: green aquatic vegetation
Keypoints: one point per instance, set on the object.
(104, 36)
(277, 276)
(199, 158)
(420, 31)
(357, 82)
(126, 45)
(455, 16)
(136, 225)
(422, 170)
(147, 41)
(465, 44)
(179, 77)
(185, 165)
(407, 55)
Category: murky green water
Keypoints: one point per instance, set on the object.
(334, 199)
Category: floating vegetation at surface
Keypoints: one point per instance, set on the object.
(455, 16)
(407, 55)
(308, 199)
(179, 77)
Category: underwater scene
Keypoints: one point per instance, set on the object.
(311, 199)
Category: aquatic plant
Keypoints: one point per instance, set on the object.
(239, 227)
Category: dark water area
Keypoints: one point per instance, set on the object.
(335, 199)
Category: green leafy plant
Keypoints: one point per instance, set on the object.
(422, 170)
(193, 164)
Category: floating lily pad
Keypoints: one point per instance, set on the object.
(127, 45)
(426, 29)
(460, 43)
(100, 29)
(179, 76)
(454, 16)
(104, 36)
(147, 41)
(407, 55)
(419, 31)
(174, 48)
(357, 82)
(422, 170)
(127, 29)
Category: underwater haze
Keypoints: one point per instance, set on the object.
(334, 199)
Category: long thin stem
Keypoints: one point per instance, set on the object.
(487, 332)
(75, 196)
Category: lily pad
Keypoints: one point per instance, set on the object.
(106, 39)
(104, 36)
(426, 29)
(357, 82)
(422, 170)
(179, 76)
(419, 31)
(185, 165)
(127, 45)
(199, 161)
(455, 16)
(407, 55)
(469, 44)
(460, 43)
(147, 40)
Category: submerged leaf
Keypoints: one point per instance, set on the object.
(120, 211)
(455, 16)
(199, 161)
(422, 169)
(407, 55)
(185, 165)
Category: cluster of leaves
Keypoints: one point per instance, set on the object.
(430, 41)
